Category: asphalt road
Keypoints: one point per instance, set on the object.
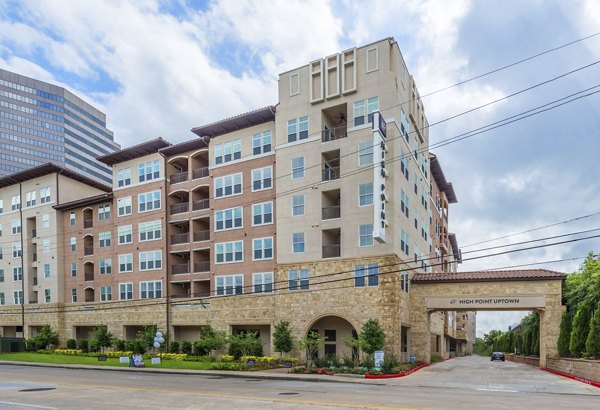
(465, 383)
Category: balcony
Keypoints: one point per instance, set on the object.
(34, 233)
(332, 251)
(89, 276)
(178, 239)
(88, 218)
(331, 204)
(201, 172)
(332, 244)
(332, 134)
(179, 208)
(200, 204)
(35, 281)
(180, 269)
(88, 223)
(33, 301)
(88, 250)
(179, 177)
(201, 267)
(34, 257)
(331, 173)
(331, 212)
(200, 236)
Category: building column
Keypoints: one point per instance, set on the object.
(420, 343)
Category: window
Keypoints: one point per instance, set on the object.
(365, 153)
(1, 253)
(149, 201)
(126, 263)
(262, 248)
(124, 206)
(404, 280)
(73, 295)
(0, 229)
(366, 275)
(151, 260)
(149, 171)
(230, 285)
(298, 279)
(18, 297)
(372, 105)
(73, 269)
(262, 178)
(151, 290)
(404, 241)
(262, 213)
(105, 293)
(298, 129)
(150, 231)
(298, 205)
(105, 266)
(2, 300)
(228, 185)
(298, 242)
(124, 177)
(365, 235)
(73, 243)
(404, 202)
(125, 234)
(31, 198)
(1, 275)
(17, 274)
(16, 227)
(104, 212)
(262, 282)
(1, 206)
(72, 218)
(261, 143)
(228, 151)
(45, 221)
(365, 194)
(297, 167)
(227, 252)
(16, 250)
(46, 245)
(15, 202)
(125, 291)
(104, 239)
(45, 195)
(47, 273)
(228, 219)
(47, 296)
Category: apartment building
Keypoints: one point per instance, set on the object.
(42, 122)
(31, 238)
(316, 211)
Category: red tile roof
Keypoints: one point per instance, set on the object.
(488, 276)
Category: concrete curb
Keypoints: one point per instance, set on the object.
(263, 375)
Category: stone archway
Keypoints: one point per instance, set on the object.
(336, 329)
(537, 290)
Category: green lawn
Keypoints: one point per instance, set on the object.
(67, 359)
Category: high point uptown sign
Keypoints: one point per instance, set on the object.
(486, 302)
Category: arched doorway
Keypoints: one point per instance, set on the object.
(335, 329)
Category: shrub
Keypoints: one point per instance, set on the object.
(321, 362)
(101, 338)
(120, 345)
(390, 364)
(592, 344)
(245, 344)
(83, 345)
(186, 347)
(226, 358)
(94, 346)
(228, 366)
(581, 328)
(436, 358)
(70, 352)
(210, 341)
(174, 348)
(71, 344)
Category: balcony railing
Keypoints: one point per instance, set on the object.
(201, 266)
(192, 295)
(180, 177)
(34, 233)
(89, 276)
(88, 250)
(179, 208)
(200, 204)
(33, 301)
(180, 268)
(331, 173)
(331, 212)
(200, 173)
(332, 251)
(88, 223)
(200, 236)
(35, 282)
(180, 238)
(34, 257)
(332, 134)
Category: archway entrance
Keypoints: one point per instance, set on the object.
(519, 290)
(336, 329)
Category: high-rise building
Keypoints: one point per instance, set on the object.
(42, 122)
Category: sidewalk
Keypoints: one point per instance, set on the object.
(273, 374)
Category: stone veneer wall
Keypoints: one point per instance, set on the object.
(587, 369)
(530, 360)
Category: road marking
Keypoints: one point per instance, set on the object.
(500, 390)
(28, 405)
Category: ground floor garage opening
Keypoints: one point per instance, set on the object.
(186, 333)
(83, 332)
(131, 331)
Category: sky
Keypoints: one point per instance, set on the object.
(160, 68)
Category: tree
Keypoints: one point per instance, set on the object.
(102, 337)
(353, 342)
(245, 344)
(372, 336)
(283, 342)
(311, 344)
(565, 335)
(581, 328)
(592, 344)
(46, 337)
(210, 340)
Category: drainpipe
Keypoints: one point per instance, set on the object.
(167, 287)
